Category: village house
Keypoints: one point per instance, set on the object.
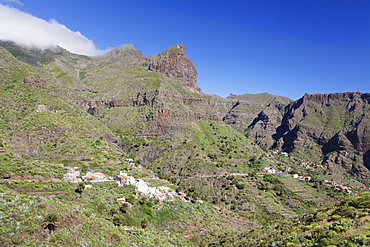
(160, 196)
(141, 186)
(164, 188)
(95, 176)
(72, 174)
(129, 162)
(344, 188)
(171, 196)
(161, 193)
(296, 176)
(284, 154)
(270, 170)
(329, 182)
(124, 179)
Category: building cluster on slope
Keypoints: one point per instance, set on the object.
(303, 178)
(281, 153)
(270, 170)
(161, 193)
(340, 187)
(72, 175)
(309, 165)
(96, 177)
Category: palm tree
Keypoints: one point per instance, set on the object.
(80, 188)
(124, 208)
(50, 222)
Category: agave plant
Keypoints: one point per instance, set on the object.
(50, 222)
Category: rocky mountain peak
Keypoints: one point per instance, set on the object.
(173, 63)
(178, 50)
(122, 49)
(127, 50)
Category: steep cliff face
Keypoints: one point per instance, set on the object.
(336, 124)
(146, 98)
(174, 63)
(132, 101)
(257, 116)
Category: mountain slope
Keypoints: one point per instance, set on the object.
(95, 112)
(257, 116)
(332, 126)
(38, 123)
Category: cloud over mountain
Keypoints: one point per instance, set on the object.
(32, 32)
(13, 1)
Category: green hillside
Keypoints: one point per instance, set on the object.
(345, 224)
(66, 114)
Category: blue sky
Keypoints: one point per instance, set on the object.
(286, 47)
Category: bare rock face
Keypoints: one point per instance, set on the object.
(264, 125)
(173, 63)
(257, 116)
(338, 123)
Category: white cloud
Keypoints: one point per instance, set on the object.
(30, 31)
(13, 1)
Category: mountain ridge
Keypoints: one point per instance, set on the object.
(228, 155)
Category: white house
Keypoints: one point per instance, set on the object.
(95, 176)
(72, 174)
(164, 188)
(124, 179)
(160, 196)
(141, 186)
(270, 170)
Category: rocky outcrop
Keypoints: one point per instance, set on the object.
(264, 125)
(257, 116)
(336, 123)
(173, 63)
(96, 107)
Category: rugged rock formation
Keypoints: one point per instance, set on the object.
(337, 123)
(129, 97)
(257, 116)
(329, 128)
(174, 63)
